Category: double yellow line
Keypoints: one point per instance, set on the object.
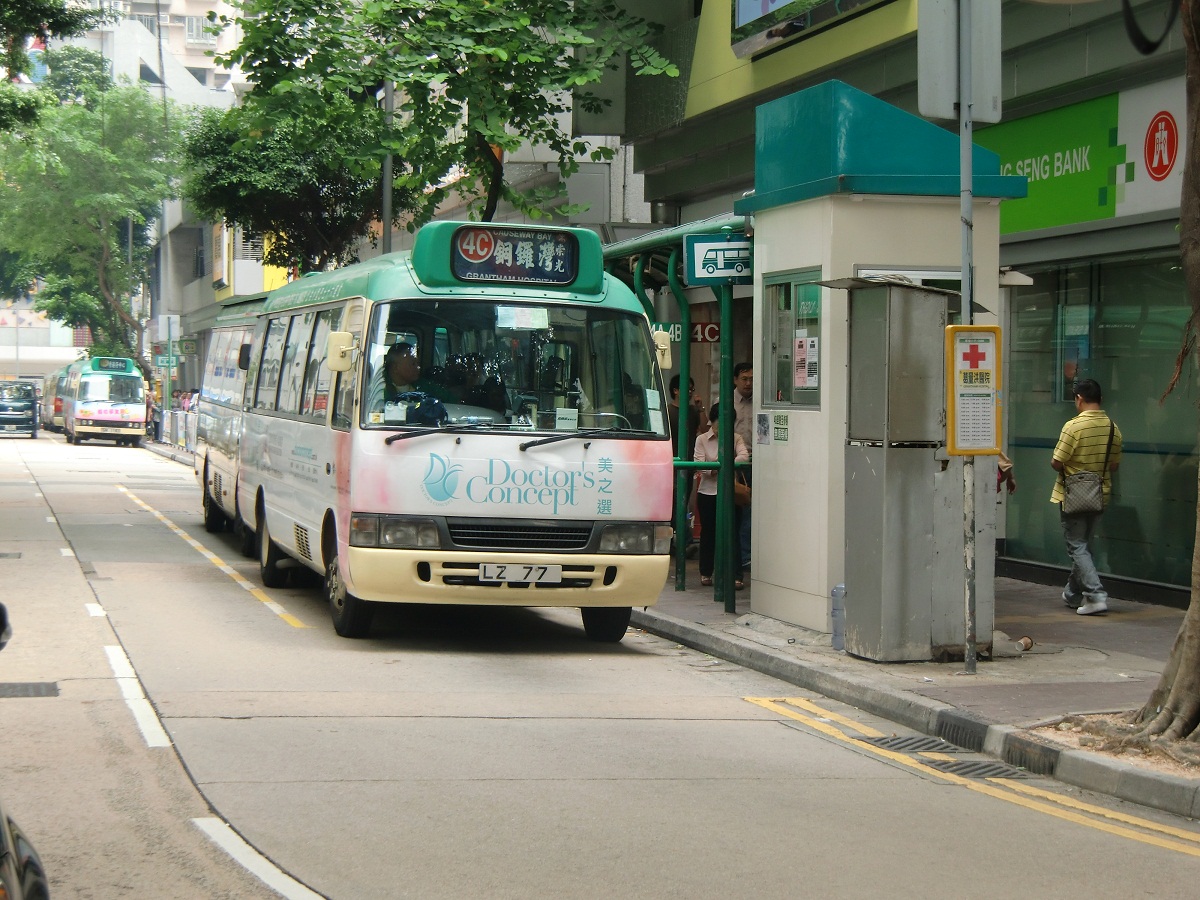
(256, 592)
(1008, 790)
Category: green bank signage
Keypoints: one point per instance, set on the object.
(1113, 156)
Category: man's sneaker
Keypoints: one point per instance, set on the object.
(1092, 608)
(1073, 602)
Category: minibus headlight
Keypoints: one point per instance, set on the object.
(636, 537)
(408, 534)
(364, 531)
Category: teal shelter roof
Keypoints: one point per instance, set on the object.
(835, 139)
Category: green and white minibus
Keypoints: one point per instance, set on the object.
(479, 421)
(219, 415)
(105, 397)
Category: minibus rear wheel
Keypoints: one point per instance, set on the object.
(269, 558)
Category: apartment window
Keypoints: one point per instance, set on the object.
(194, 31)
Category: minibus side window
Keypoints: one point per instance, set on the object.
(272, 361)
(294, 356)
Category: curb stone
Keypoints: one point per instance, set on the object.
(1009, 744)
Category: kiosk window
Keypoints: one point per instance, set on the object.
(793, 340)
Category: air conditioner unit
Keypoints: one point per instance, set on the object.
(164, 19)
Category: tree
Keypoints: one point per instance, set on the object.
(476, 79)
(21, 20)
(76, 74)
(1173, 711)
(75, 185)
(312, 192)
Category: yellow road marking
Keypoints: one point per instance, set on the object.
(989, 788)
(1106, 813)
(255, 592)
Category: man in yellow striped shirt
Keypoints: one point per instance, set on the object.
(1084, 446)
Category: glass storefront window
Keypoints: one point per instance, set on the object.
(1120, 322)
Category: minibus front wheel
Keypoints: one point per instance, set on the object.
(351, 615)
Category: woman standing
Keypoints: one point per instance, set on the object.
(705, 502)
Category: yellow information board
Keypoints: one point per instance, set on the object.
(973, 390)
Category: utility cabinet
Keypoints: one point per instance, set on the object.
(904, 528)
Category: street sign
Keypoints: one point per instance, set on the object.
(187, 347)
(706, 333)
(163, 361)
(718, 259)
(973, 390)
(673, 330)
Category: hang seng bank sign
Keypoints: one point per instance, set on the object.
(1114, 156)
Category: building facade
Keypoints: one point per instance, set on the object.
(1099, 131)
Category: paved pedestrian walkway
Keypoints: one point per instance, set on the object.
(1076, 664)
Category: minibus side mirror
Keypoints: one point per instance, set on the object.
(244, 357)
(5, 631)
(339, 354)
(662, 344)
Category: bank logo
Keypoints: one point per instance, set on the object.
(441, 479)
(1161, 146)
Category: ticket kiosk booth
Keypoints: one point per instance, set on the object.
(850, 434)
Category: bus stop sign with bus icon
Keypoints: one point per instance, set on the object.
(713, 259)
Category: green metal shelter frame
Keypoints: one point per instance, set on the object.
(657, 257)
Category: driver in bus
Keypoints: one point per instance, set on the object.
(397, 376)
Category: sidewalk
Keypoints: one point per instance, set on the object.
(1077, 664)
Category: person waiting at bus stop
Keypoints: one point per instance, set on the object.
(705, 502)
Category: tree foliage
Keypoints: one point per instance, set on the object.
(21, 20)
(75, 185)
(475, 79)
(76, 74)
(312, 191)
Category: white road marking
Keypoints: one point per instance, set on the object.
(95, 609)
(131, 689)
(66, 551)
(253, 861)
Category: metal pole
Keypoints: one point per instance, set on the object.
(683, 477)
(725, 457)
(385, 207)
(966, 211)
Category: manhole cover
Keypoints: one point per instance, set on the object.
(28, 689)
(917, 743)
(974, 768)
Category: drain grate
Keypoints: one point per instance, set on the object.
(974, 768)
(28, 689)
(916, 743)
(10, 555)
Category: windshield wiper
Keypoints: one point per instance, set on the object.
(441, 429)
(567, 435)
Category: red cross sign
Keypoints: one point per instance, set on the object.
(974, 356)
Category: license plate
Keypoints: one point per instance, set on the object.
(10, 427)
(522, 574)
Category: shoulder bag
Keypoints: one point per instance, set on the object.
(741, 490)
(1083, 492)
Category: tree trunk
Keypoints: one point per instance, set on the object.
(495, 179)
(1173, 710)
